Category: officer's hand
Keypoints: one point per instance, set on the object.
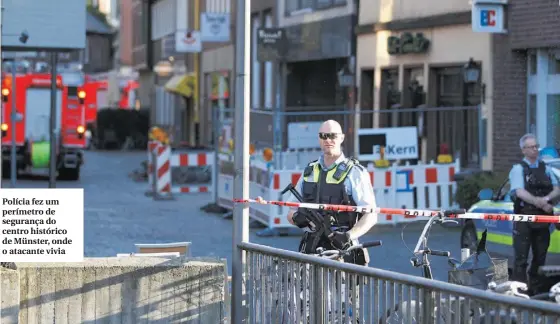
(541, 202)
(260, 200)
(340, 240)
(299, 220)
(547, 208)
(290, 217)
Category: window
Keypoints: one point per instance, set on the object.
(268, 71)
(295, 5)
(543, 102)
(553, 120)
(532, 114)
(138, 31)
(256, 66)
(554, 63)
(163, 15)
(218, 5)
(86, 51)
(532, 63)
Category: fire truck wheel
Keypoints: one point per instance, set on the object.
(69, 174)
(5, 170)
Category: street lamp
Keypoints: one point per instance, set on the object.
(471, 72)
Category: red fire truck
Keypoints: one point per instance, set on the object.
(32, 139)
(96, 100)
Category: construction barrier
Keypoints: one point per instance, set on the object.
(162, 161)
(421, 186)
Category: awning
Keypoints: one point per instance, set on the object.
(183, 84)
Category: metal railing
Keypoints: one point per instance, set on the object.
(274, 282)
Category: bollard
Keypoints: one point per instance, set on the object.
(157, 191)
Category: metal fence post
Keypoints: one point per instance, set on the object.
(319, 295)
(428, 305)
(216, 166)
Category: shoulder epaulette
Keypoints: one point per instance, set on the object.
(309, 168)
(357, 163)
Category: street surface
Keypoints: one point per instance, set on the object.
(118, 214)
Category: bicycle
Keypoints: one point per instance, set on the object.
(405, 312)
(517, 289)
(285, 279)
(340, 297)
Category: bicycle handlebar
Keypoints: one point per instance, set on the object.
(435, 252)
(371, 244)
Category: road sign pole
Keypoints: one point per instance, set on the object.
(13, 118)
(241, 156)
(3, 105)
(54, 117)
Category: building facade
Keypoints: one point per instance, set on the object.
(125, 33)
(167, 71)
(218, 68)
(321, 46)
(142, 56)
(413, 55)
(174, 98)
(526, 79)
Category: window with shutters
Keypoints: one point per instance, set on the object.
(163, 15)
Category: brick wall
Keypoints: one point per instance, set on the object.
(510, 84)
(534, 23)
(126, 32)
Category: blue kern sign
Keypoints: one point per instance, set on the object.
(399, 143)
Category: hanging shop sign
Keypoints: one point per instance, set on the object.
(214, 27)
(188, 42)
(272, 44)
(408, 43)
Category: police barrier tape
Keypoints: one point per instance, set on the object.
(454, 213)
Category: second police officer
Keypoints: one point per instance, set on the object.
(534, 189)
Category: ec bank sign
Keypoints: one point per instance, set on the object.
(488, 16)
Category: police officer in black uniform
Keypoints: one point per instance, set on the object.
(535, 190)
(335, 179)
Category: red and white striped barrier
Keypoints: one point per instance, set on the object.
(165, 160)
(422, 186)
(200, 159)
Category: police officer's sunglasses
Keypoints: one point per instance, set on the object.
(325, 136)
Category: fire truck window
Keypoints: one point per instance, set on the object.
(72, 91)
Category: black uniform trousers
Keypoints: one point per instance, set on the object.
(532, 236)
